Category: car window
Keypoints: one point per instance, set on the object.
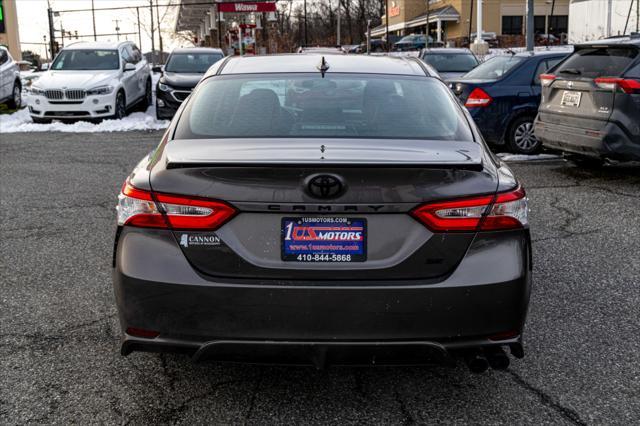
(598, 62)
(86, 59)
(336, 106)
(127, 55)
(495, 68)
(191, 62)
(137, 54)
(444, 62)
(4, 57)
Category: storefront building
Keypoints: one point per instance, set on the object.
(9, 35)
(452, 21)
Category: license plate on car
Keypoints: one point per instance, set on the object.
(324, 239)
(570, 98)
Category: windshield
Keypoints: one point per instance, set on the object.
(85, 59)
(197, 63)
(495, 67)
(457, 62)
(336, 106)
(413, 39)
(598, 62)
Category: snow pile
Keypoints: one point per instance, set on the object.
(505, 156)
(20, 121)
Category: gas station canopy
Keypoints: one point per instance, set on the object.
(193, 13)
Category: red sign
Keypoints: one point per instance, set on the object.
(245, 7)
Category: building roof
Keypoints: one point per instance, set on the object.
(446, 13)
(309, 63)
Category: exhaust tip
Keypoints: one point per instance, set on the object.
(476, 362)
(498, 359)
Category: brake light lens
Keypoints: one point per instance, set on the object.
(507, 210)
(137, 207)
(478, 98)
(627, 85)
(546, 79)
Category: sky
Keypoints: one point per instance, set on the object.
(33, 23)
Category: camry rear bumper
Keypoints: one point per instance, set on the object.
(157, 289)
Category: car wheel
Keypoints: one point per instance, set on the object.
(521, 138)
(120, 108)
(16, 97)
(148, 98)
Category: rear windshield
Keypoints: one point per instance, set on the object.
(457, 62)
(495, 67)
(197, 63)
(598, 62)
(336, 106)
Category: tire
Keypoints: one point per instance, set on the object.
(520, 137)
(145, 102)
(41, 120)
(16, 97)
(120, 107)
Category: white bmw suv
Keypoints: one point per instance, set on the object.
(92, 81)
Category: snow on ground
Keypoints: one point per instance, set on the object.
(506, 156)
(20, 121)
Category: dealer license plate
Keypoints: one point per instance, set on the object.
(571, 98)
(324, 239)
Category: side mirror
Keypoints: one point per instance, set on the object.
(129, 67)
(156, 69)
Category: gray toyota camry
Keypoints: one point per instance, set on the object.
(323, 210)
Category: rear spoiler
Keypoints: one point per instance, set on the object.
(293, 152)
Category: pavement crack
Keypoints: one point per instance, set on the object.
(566, 412)
(252, 401)
(407, 417)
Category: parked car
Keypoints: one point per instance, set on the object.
(412, 42)
(503, 94)
(181, 73)
(450, 62)
(92, 81)
(375, 228)
(591, 102)
(327, 50)
(377, 45)
(10, 84)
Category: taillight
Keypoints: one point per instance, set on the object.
(478, 98)
(546, 79)
(506, 210)
(627, 85)
(137, 207)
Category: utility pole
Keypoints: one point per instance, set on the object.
(219, 26)
(52, 37)
(386, 23)
(159, 32)
(139, 30)
(530, 30)
(470, 22)
(117, 21)
(306, 40)
(338, 16)
(93, 16)
(479, 23)
(549, 28)
(153, 44)
(428, 17)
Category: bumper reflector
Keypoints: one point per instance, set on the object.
(141, 332)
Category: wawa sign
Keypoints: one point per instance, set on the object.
(246, 7)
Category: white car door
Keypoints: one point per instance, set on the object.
(142, 70)
(129, 78)
(6, 75)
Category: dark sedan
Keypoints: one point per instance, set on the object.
(182, 72)
(450, 62)
(370, 229)
(503, 95)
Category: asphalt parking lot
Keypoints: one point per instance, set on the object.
(59, 351)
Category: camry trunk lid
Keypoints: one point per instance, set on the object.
(360, 189)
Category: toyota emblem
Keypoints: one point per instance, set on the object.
(324, 186)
